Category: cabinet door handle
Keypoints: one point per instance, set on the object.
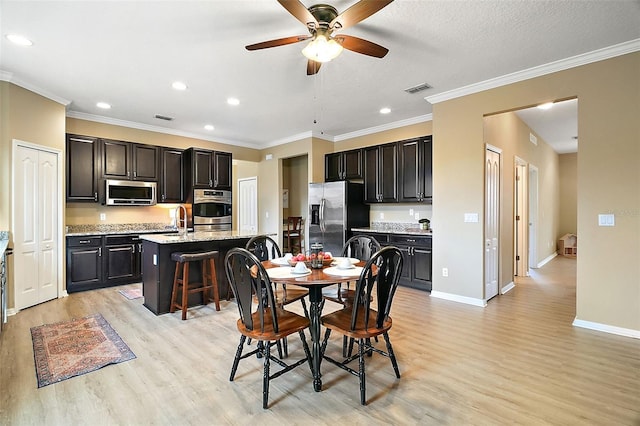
(84, 241)
(135, 175)
(215, 182)
(95, 196)
(99, 251)
(210, 183)
(162, 197)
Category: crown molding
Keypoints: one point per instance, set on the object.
(561, 65)
(10, 78)
(383, 127)
(157, 129)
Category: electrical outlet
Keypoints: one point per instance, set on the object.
(103, 216)
(266, 214)
(410, 212)
(381, 215)
(445, 272)
(417, 216)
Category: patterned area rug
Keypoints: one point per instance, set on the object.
(72, 348)
(131, 293)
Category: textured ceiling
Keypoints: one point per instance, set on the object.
(129, 53)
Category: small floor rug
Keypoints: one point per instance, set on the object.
(72, 348)
(131, 293)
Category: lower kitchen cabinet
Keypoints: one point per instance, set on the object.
(96, 261)
(416, 252)
(84, 263)
(122, 259)
(416, 256)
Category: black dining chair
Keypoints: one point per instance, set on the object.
(265, 248)
(359, 247)
(264, 321)
(360, 321)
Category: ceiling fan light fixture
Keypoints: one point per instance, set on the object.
(322, 49)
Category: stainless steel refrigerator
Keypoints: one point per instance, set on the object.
(335, 208)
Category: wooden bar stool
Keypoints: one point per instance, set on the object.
(182, 264)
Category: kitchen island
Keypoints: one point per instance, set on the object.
(158, 268)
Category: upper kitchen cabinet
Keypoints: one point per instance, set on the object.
(82, 168)
(381, 173)
(129, 161)
(171, 176)
(222, 170)
(346, 165)
(208, 169)
(415, 182)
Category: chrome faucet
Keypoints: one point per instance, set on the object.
(181, 209)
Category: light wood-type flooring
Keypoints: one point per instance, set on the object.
(517, 361)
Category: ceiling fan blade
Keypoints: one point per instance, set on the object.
(358, 12)
(299, 11)
(313, 67)
(360, 45)
(277, 42)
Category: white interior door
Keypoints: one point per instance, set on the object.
(521, 220)
(533, 216)
(35, 215)
(248, 205)
(492, 222)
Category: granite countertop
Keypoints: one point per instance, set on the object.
(4, 242)
(396, 228)
(197, 236)
(118, 229)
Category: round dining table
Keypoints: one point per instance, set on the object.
(315, 281)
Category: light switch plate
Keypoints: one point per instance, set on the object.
(471, 217)
(606, 220)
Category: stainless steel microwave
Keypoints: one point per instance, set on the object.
(130, 193)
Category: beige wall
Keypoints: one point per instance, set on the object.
(608, 271)
(507, 132)
(568, 194)
(31, 118)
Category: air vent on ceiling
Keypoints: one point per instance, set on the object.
(163, 117)
(418, 88)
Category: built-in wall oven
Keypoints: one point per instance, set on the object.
(211, 210)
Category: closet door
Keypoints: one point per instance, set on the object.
(35, 217)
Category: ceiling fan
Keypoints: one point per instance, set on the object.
(322, 20)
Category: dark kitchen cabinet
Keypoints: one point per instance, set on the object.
(122, 257)
(415, 182)
(82, 168)
(346, 165)
(84, 263)
(129, 161)
(222, 170)
(171, 176)
(96, 261)
(208, 169)
(381, 173)
(416, 256)
(416, 252)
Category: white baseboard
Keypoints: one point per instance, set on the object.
(508, 287)
(461, 299)
(12, 311)
(547, 260)
(627, 332)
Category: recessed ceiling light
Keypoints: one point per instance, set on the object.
(233, 101)
(19, 40)
(178, 85)
(103, 105)
(547, 105)
(385, 110)
(209, 127)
